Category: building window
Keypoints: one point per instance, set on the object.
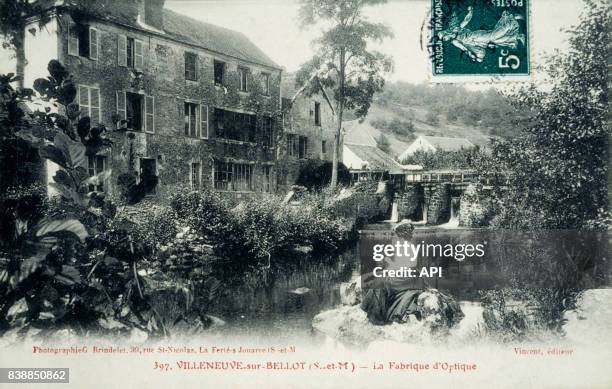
(235, 125)
(96, 164)
(323, 147)
(267, 178)
(191, 120)
(129, 49)
(233, 176)
(268, 131)
(287, 121)
(244, 79)
(317, 114)
(297, 146)
(191, 65)
(219, 72)
(130, 52)
(83, 41)
(265, 80)
(196, 175)
(292, 145)
(136, 111)
(89, 102)
(303, 150)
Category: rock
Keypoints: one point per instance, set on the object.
(350, 292)
(300, 291)
(404, 229)
(439, 311)
(418, 316)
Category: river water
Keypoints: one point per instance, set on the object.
(283, 303)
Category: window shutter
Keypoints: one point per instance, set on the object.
(83, 100)
(122, 50)
(93, 43)
(121, 110)
(138, 55)
(204, 121)
(95, 115)
(149, 114)
(73, 41)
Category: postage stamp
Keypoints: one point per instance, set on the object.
(480, 38)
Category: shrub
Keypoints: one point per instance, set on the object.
(476, 210)
(315, 175)
(251, 234)
(20, 209)
(154, 225)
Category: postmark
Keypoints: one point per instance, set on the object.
(480, 39)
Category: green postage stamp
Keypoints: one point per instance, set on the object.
(480, 38)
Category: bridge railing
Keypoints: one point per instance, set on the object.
(457, 177)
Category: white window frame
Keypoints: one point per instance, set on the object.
(122, 50)
(122, 109)
(94, 43)
(148, 113)
(93, 158)
(73, 40)
(138, 54)
(266, 83)
(204, 122)
(195, 65)
(199, 174)
(243, 72)
(89, 106)
(197, 120)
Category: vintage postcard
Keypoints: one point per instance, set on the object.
(305, 194)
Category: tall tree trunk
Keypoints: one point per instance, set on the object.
(20, 57)
(340, 112)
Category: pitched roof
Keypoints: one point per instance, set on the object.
(375, 157)
(214, 38)
(447, 143)
(358, 133)
(175, 26)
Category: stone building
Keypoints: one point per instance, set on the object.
(192, 104)
(308, 125)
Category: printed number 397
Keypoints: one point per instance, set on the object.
(508, 61)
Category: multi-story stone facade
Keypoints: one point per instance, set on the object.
(189, 103)
(309, 125)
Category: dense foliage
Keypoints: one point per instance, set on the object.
(74, 264)
(315, 175)
(260, 234)
(557, 171)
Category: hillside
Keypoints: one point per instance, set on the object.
(399, 143)
(404, 111)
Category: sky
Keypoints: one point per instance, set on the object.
(273, 26)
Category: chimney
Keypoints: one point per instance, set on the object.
(153, 13)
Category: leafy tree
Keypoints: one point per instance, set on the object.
(558, 167)
(382, 142)
(343, 63)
